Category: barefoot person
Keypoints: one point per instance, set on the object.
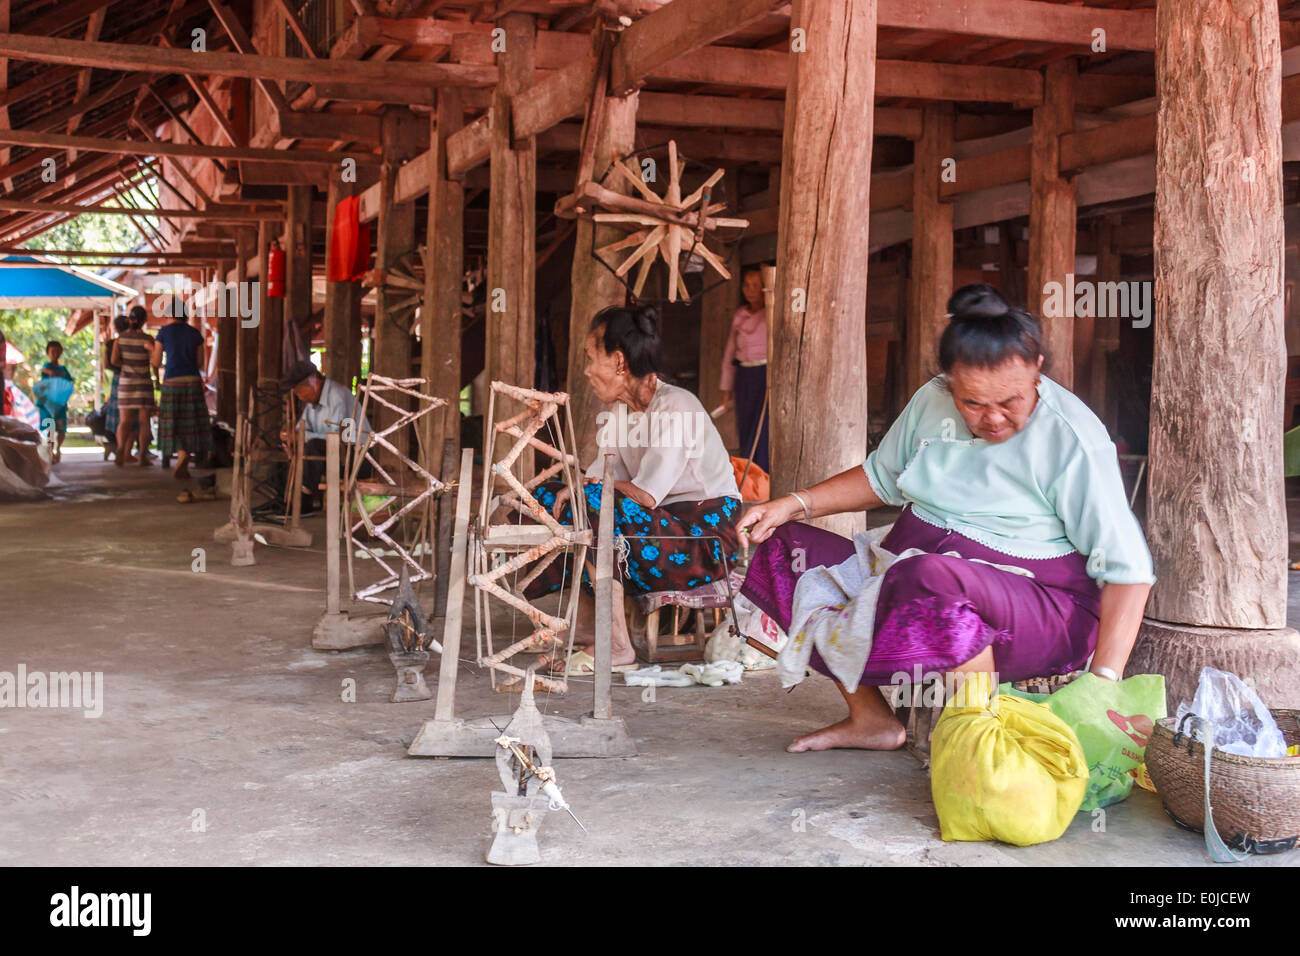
(135, 403)
(675, 495)
(1016, 551)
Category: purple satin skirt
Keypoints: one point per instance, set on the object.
(936, 612)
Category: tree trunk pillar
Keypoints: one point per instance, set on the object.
(931, 281)
(392, 335)
(593, 286)
(1052, 217)
(1216, 510)
(818, 363)
(443, 274)
(512, 216)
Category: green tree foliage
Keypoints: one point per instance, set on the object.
(30, 329)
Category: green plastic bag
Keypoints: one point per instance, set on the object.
(1113, 721)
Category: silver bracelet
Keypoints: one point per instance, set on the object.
(803, 504)
(1105, 672)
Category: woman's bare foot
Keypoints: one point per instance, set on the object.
(853, 735)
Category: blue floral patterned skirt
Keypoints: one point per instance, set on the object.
(674, 547)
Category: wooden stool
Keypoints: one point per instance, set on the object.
(658, 644)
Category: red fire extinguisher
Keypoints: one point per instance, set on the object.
(275, 271)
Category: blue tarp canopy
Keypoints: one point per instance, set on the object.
(28, 282)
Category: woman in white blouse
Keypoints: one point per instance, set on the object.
(675, 497)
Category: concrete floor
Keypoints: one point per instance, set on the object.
(224, 738)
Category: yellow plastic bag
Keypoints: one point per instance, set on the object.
(1004, 769)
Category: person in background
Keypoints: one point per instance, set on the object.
(112, 415)
(184, 426)
(49, 408)
(744, 368)
(132, 351)
(327, 407)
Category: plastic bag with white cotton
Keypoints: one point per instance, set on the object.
(723, 646)
(1242, 724)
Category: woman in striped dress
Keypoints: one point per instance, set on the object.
(135, 404)
(111, 416)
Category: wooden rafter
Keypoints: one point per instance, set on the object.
(24, 137)
(212, 214)
(152, 59)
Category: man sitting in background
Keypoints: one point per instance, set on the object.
(327, 407)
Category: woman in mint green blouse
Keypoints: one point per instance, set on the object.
(1024, 556)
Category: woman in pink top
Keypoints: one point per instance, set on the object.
(744, 367)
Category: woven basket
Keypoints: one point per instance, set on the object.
(1255, 800)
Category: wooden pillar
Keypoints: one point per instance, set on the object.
(717, 308)
(1052, 217)
(297, 254)
(270, 332)
(1105, 337)
(818, 364)
(931, 281)
(444, 267)
(593, 286)
(246, 335)
(227, 345)
(512, 223)
(342, 301)
(1216, 512)
(392, 336)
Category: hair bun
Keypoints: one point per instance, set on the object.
(646, 319)
(977, 302)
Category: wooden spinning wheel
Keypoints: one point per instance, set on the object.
(667, 228)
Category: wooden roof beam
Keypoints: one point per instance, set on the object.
(45, 79)
(1031, 20)
(244, 45)
(212, 215)
(153, 59)
(38, 138)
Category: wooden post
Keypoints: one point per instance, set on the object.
(603, 708)
(297, 254)
(1105, 337)
(392, 345)
(338, 296)
(227, 343)
(1216, 509)
(270, 332)
(445, 707)
(1052, 217)
(512, 220)
(444, 267)
(717, 308)
(246, 329)
(333, 500)
(593, 286)
(931, 282)
(818, 364)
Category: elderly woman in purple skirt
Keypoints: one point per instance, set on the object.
(1016, 551)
